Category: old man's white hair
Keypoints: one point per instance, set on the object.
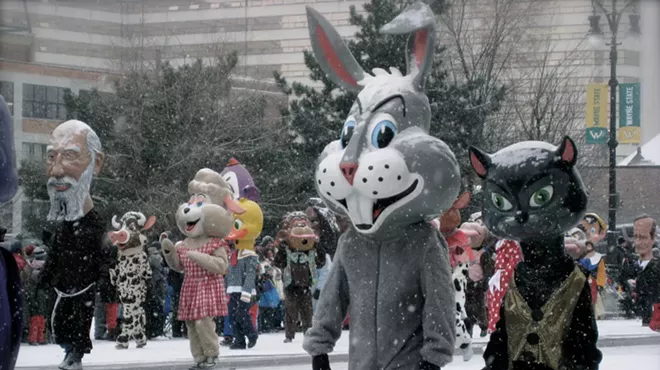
(68, 205)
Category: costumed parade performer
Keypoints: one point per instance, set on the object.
(77, 255)
(240, 181)
(460, 256)
(391, 270)
(298, 258)
(205, 220)
(575, 241)
(507, 257)
(533, 194)
(479, 272)
(594, 262)
(131, 275)
(242, 275)
(11, 299)
(243, 186)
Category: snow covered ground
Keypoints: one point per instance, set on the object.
(176, 351)
(617, 358)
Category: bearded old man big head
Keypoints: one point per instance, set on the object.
(74, 157)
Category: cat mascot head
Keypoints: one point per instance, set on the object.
(532, 189)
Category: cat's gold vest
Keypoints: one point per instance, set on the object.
(538, 336)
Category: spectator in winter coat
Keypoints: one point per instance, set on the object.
(156, 291)
(175, 280)
(106, 303)
(36, 298)
(643, 271)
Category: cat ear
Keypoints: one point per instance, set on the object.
(567, 152)
(462, 201)
(480, 162)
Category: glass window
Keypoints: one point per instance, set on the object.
(7, 92)
(44, 102)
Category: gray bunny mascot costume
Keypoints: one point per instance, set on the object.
(391, 270)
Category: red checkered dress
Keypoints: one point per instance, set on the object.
(203, 292)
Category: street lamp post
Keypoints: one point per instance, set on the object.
(613, 17)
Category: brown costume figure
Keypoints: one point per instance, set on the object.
(76, 257)
(202, 258)
(298, 259)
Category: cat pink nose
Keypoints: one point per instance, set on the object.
(348, 170)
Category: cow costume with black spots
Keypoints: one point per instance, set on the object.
(460, 257)
(131, 274)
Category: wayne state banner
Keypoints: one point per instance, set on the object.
(630, 131)
(597, 109)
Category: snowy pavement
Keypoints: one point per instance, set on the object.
(174, 353)
(618, 358)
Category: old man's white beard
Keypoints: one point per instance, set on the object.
(68, 205)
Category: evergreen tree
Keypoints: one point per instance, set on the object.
(315, 117)
(159, 128)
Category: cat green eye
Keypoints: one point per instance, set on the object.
(500, 202)
(541, 197)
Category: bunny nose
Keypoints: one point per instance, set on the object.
(522, 217)
(186, 210)
(348, 170)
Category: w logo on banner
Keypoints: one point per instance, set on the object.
(597, 135)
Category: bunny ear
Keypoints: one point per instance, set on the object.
(419, 21)
(462, 201)
(332, 54)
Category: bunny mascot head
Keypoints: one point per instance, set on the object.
(388, 176)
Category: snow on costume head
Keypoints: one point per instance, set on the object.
(385, 170)
(389, 177)
(74, 157)
(240, 181)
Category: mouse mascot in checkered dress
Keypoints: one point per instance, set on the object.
(206, 219)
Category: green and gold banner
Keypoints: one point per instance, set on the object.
(630, 131)
(597, 108)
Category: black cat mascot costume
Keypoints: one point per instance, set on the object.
(534, 194)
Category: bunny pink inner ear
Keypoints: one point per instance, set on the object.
(462, 201)
(150, 222)
(232, 206)
(568, 154)
(478, 167)
(333, 59)
(421, 37)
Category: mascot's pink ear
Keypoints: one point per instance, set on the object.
(462, 201)
(480, 162)
(232, 206)
(567, 151)
(150, 223)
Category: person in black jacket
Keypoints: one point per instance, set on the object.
(77, 255)
(642, 272)
(156, 291)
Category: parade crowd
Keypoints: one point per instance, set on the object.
(630, 272)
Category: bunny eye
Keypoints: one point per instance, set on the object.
(192, 199)
(347, 132)
(383, 134)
